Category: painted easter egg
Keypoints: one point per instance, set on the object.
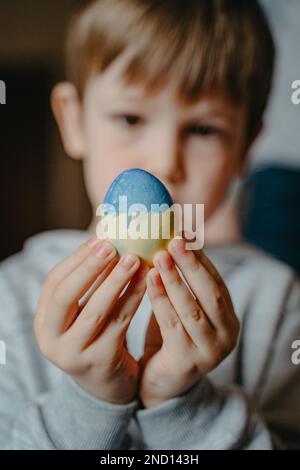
(136, 214)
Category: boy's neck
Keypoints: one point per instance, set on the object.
(222, 227)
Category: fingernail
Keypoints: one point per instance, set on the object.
(128, 261)
(165, 262)
(178, 246)
(105, 250)
(93, 242)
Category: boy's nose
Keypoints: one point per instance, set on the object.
(166, 161)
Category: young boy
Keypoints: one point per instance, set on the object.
(178, 89)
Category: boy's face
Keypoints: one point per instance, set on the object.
(195, 150)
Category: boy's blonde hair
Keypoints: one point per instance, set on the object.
(206, 45)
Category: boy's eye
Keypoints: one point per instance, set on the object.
(130, 119)
(204, 130)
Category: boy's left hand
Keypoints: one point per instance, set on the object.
(187, 336)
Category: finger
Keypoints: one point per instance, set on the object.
(117, 325)
(93, 316)
(205, 261)
(230, 320)
(64, 301)
(170, 325)
(127, 305)
(103, 275)
(153, 342)
(78, 307)
(194, 319)
(59, 272)
(206, 284)
(153, 338)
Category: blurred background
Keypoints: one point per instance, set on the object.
(36, 175)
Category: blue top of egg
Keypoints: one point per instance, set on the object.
(140, 187)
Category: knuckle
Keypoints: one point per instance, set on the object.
(90, 265)
(193, 264)
(194, 313)
(93, 314)
(173, 321)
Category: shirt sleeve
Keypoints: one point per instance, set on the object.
(41, 407)
(210, 416)
(204, 417)
(34, 415)
(67, 417)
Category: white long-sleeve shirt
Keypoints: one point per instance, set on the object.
(250, 401)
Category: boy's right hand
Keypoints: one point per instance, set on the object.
(87, 341)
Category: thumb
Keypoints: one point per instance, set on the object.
(153, 341)
(153, 338)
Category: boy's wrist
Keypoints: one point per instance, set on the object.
(147, 403)
(105, 394)
(159, 423)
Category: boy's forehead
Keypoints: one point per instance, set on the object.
(136, 93)
(112, 85)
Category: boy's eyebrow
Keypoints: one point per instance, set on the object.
(229, 116)
(127, 99)
(206, 108)
(133, 98)
(134, 94)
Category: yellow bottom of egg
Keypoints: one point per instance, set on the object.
(145, 235)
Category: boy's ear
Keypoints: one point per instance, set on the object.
(67, 111)
(243, 168)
